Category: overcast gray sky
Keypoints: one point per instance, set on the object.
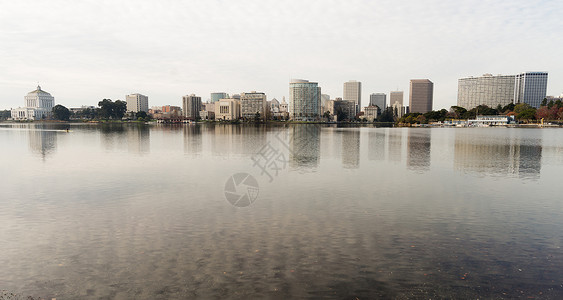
(84, 51)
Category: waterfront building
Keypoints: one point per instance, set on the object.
(371, 112)
(530, 88)
(396, 96)
(421, 95)
(491, 120)
(137, 103)
(378, 99)
(38, 105)
(191, 106)
(207, 115)
(227, 109)
(218, 96)
(485, 90)
(253, 103)
(353, 92)
(304, 100)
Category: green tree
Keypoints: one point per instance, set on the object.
(61, 113)
(112, 110)
(5, 114)
(527, 114)
(387, 115)
(141, 114)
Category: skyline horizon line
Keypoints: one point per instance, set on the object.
(208, 99)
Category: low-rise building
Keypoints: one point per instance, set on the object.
(207, 115)
(38, 105)
(227, 109)
(371, 112)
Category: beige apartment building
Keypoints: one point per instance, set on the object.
(252, 103)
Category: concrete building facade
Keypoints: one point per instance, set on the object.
(421, 95)
(227, 109)
(485, 90)
(353, 92)
(191, 106)
(137, 103)
(252, 103)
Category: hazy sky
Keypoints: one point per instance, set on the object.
(84, 51)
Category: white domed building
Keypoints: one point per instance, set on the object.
(38, 105)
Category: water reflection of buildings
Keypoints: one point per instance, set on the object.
(418, 149)
(42, 141)
(512, 155)
(304, 146)
(193, 143)
(376, 145)
(351, 148)
(395, 145)
(138, 139)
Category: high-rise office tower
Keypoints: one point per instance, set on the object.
(304, 100)
(421, 95)
(395, 96)
(353, 92)
(485, 90)
(137, 103)
(530, 88)
(218, 96)
(191, 106)
(379, 99)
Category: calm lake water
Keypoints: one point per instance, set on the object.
(144, 212)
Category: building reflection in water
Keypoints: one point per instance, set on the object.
(418, 149)
(493, 156)
(42, 140)
(395, 144)
(376, 145)
(193, 139)
(138, 139)
(351, 148)
(112, 136)
(304, 145)
(226, 140)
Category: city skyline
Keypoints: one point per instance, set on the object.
(91, 47)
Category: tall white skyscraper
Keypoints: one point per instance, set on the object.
(353, 92)
(531, 88)
(137, 103)
(304, 100)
